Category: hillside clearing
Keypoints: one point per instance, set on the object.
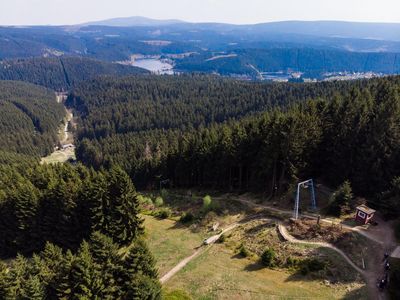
(170, 242)
(217, 274)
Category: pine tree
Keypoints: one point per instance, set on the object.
(341, 200)
(33, 289)
(139, 260)
(85, 278)
(124, 222)
(26, 205)
(3, 281)
(105, 255)
(139, 274)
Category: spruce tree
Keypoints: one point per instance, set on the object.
(105, 255)
(26, 205)
(123, 220)
(85, 279)
(33, 289)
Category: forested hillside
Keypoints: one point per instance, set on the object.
(109, 105)
(312, 62)
(29, 118)
(350, 131)
(61, 73)
(66, 231)
(76, 221)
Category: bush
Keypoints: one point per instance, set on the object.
(164, 213)
(222, 238)
(267, 257)
(207, 201)
(291, 262)
(312, 265)
(187, 218)
(341, 200)
(159, 201)
(164, 194)
(243, 251)
(143, 200)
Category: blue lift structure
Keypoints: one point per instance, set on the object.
(305, 184)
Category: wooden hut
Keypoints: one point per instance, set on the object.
(364, 214)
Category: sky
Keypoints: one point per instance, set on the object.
(65, 12)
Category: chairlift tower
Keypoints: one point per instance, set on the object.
(304, 184)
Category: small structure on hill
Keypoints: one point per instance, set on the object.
(67, 146)
(364, 214)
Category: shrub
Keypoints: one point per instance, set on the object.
(267, 257)
(159, 201)
(164, 213)
(177, 295)
(222, 238)
(291, 262)
(207, 201)
(143, 200)
(243, 251)
(312, 265)
(341, 200)
(187, 217)
(164, 194)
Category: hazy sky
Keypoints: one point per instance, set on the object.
(33, 12)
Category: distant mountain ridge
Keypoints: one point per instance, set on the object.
(132, 22)
(343, 29)
(305, 46)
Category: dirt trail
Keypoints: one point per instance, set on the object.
(369, 276)
(381, 234)
(288, 237)
(200, 249)
(289, 212)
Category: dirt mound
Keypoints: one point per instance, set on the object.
(308, 229)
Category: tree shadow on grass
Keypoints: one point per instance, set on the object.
(256, 266)
(360, 293)
(237, 256)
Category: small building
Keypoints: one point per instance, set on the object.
(67, 146)
(364, 214)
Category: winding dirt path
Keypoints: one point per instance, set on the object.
(384, 240)
(369, 276)
(290, 213)
(288, 237)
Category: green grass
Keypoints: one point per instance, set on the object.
(59, 156)
(170, 242)
(218, 274)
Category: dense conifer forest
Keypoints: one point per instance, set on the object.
(61, 73)
(29, 118)
(74, 231)
(74, 221)
(210, 132)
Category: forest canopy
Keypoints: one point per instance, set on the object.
(218, 133)
(29, 118)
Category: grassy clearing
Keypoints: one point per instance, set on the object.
(60, 156)
(218, 274)
(170, 242)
